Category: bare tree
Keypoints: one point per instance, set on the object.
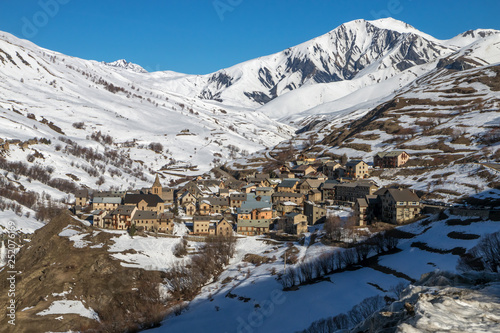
(485, 256)
(333, 228)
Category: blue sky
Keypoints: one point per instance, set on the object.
(199, 37)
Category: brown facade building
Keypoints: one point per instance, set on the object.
(399, 205)
(356, 169)
(392, 159)
(352, 191)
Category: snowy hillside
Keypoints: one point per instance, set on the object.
(250, 297)
(121, 123)
(112, 120)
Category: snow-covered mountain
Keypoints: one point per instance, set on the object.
(122, 63)
(199, 121)
(368, 51)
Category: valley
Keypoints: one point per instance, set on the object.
(343, 182)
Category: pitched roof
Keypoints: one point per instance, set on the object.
(264, 189)
(216, 201)
(199, 218)
(361, 182)
(354, 162)
(108, 200)
(81, 193)
(393, 153)
(151, 199)
(124, 210)
(404, 195)
(288, 183)
(287, 194)
(302, 167)
(329, 184)
(313, 183)
(362, 202)
(166, 216)
(145, 215)
(108, 194)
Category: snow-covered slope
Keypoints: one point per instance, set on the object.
(120, 112)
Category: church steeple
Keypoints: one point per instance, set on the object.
(157, 188)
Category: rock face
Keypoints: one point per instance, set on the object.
(52, 270)
(440, 301)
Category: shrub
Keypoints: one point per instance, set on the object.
(156, 147)
(180, 249)
(485, 256)
(79, 125)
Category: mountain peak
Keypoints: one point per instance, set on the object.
(122, 63)
(390, 23)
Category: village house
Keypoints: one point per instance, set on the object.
(201, 225)
(107, 203)
(296, 198)
(306, 158)
(213, 205)
(314, 195)
(121, 217)
(288, 185)
(316, 175)
(351, 191)
(190, 208)
(98, 218)
(302, 170)
(399, 205)
(165, 223)
(151, 202)
(185, 198)
(391, 159)
(236, 199)
(264, 191)
(253, 227)
(235, 185)
(192, 188)
(259, 182)
(315, 213)
(284, 207)
(356, 169)
(145, 220)
(167, 195)
(262, 213)
(81, 198)
(307, 185)
(223, 228)
(255, 207)
(249, 188)
(224, 193)
(328, 189)
(364, 209)
(295, 223)
(284, 172)
(333, 170)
